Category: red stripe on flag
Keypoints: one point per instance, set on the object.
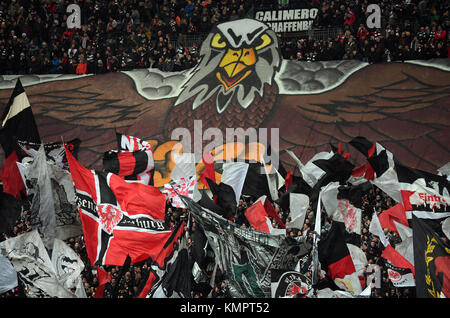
(397, 259)
(341, 268)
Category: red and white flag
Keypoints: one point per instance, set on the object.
(118, 218)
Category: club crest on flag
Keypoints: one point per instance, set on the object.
(110, 216)
(394, 276)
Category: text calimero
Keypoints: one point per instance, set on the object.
(293, 20)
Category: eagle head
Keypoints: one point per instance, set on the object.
(235, 75)
(236, 58)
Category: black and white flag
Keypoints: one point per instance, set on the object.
(246, 255)
(34, 268)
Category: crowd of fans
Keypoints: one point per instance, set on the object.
(166, 34)
(128, 285)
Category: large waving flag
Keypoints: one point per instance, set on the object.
(174, 188)
(118, 218)
(17, 124)
(133, 161)
(257, 217)
(336, 260)
(246, 255)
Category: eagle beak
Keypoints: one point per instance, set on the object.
(235, 66)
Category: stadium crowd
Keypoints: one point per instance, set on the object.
(166, 34)
(130, 283)
(123, 35)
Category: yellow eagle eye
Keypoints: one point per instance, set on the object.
(216, 43)
(266, 40)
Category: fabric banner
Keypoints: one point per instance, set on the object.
(53, 150)
(165, 269)
(185, 168)
(376, 229)
(234, 174)
(246, 255)
(289, 284)
(351, 216)
(176, 280)
(288, 20)
(17, 121)
(33, 266)
(336, 260)
(43, 204)
(133, 144)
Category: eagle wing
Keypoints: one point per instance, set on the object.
(92, 108)
(401, 105)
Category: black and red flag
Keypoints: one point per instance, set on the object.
(431, 261)
(335, 258)
(416, 189)
(118, 218)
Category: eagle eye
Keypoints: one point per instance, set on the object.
(217, 43)
(263, 41)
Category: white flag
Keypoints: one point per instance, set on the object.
(46, 212)
(406, 247)
(329, 197)
(33, 266)
(298, 204)
(351, 216)
(358, 257)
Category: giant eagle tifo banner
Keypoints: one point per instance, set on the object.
(118, 218)
(247, 256)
